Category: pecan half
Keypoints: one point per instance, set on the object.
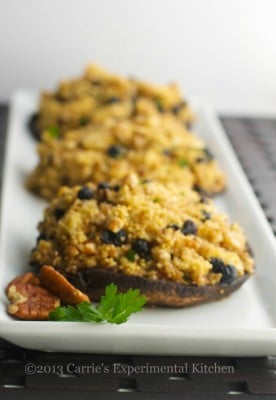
(30, 301)
(29, 277)
(56, 283)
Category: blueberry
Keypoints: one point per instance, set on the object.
(103, 192)
(189, 228)
(113, 100)
(203, 199)
(174, 227)
(116, 188)
(103, 185)
(206, 215)
(120, 237)
(59, 213)
(229, 273)
(107, 236)
(177, 107)
(114, 151)
(42, 236)
(199, 190)
(142, 247)
(84, 121)
(85, 193)
(60, 98)
(206, 156)
(167, 152)
(116, 238)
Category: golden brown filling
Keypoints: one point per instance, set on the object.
(145, 229)
(98, 96)
(155, 147)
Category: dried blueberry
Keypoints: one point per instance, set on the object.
(142, 247)
(203, 199)
(114, 151)
(42, 236)
(36, 265)
(107, 236)
(103, 185)
(59, 213)
(120, 237)
(85, 193)
(229, 273)
(59, 97)
(206, 215)
(84, 121)
(177, 107)
(175, 227)
(199, 190)
(206, 156)
(113, 100)
(103, 192)
(116, 188)
(189, 228)
(117, 238)
(167, 152)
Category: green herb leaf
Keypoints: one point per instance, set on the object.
(114, 308)
(68, 313)
(183, 163)
(130, 255)
(53, 131)
(159, 104)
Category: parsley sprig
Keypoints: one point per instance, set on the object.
(114, 308)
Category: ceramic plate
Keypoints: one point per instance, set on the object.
(243, 324)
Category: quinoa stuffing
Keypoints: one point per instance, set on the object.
(98, 96)
(121, 228)
(155, 147)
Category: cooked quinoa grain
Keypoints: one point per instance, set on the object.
(99, 96)
(127, 231)
(155, 147)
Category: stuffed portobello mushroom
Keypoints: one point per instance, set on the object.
(98, 96)
(169, 242)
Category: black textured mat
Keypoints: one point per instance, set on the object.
(26, 374)
(254, 141)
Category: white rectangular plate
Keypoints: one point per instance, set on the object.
(243, 324)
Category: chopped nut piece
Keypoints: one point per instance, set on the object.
(59, 285)
(29, 277)
(30, 301)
